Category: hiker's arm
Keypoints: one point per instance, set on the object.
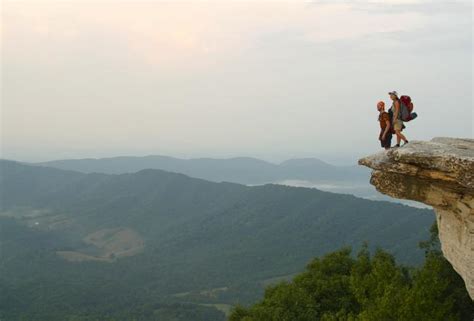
(387, 128)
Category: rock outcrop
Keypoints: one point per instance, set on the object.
(439, 173)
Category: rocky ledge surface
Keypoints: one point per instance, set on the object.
(439, 173)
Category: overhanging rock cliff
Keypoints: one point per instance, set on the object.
(439, 173)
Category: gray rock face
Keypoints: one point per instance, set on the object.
(439, 173)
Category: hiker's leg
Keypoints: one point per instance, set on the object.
(388, 141)
(401, 136)
(398, 126)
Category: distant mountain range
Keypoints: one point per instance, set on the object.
(160, 241)
(305, 172)
(241, 170)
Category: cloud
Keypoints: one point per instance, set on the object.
(184, 34)
(240, 77)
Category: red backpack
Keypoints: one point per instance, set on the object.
(406, 108)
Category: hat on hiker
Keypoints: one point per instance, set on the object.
(393, 93)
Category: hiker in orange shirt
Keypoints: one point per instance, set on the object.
(385, 135)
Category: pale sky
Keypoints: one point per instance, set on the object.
(269, 79)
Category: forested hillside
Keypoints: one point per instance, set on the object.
(157, 243)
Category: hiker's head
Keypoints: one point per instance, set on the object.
(393, 95)
(380, 106)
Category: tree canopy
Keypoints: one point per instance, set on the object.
(367, 287)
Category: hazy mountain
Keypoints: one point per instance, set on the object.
(153, 239)
(238, 170)
(306, 172)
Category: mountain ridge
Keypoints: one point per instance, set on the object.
(243, 170)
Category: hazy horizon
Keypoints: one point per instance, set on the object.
(270, 80)
(334, 161)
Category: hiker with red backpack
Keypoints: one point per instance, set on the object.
(401, 111)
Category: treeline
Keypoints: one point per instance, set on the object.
(144, 312)
(339, 287)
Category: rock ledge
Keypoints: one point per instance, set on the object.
(439, 173)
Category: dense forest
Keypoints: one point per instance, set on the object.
(340, 287)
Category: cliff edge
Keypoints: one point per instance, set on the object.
(439, 173)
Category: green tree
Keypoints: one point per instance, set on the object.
(338, 287)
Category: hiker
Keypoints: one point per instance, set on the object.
(385, 135)
(397, 121)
